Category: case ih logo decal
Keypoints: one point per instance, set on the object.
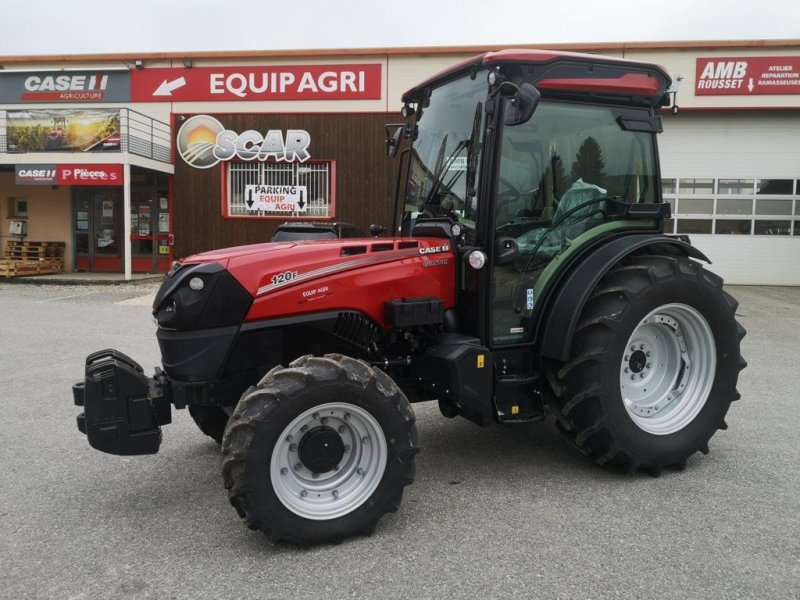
(35, 175)
(290, 82)
(75, 86)
(742, 76)
(204, 142)
(435, 249)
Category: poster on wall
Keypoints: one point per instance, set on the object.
(163, 223)
(63, 130)
(144, 220)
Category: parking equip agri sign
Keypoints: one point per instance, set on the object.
(743, 76)
(63, 130)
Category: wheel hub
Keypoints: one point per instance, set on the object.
(321, 449)
(637, 361)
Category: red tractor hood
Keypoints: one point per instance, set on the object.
(288, 278)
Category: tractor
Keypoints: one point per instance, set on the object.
(527, 276)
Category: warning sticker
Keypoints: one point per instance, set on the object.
(276, 198)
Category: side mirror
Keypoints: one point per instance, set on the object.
(393, 141)
(506, 250)
(521, 106)
(376, 230)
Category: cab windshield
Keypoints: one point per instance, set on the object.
(442, 174)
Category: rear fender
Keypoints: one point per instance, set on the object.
(564, 306)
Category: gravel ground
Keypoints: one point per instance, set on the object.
(503, 512)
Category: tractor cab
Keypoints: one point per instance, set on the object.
(531, 156)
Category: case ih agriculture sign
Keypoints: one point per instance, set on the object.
(742, 76)
(299, 82)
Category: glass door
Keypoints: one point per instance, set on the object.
(150, 222)
(97, 226)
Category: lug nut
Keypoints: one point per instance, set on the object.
(298, 466)
(633, 348)
(346, 416)
(360, 471)
(304, 428)
(347, 448)
(647, 365)
(627, 369)
(365, 440)
(284, 471)
(641, 346)
(315, 475)
(647, 353)
(335, 493)
(288, 438)
(627, 357)
(633, 377)
(341, 429)
(292, 447)
(323, 420)
(303, 494)
(336, 467)
(641, 375)
(315, 416)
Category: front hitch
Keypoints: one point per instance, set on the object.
(123, 408)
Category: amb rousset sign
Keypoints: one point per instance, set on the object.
(743, 76)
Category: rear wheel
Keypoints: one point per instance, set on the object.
(654, 365)
(320, 450)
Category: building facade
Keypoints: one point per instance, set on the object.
(114, 154)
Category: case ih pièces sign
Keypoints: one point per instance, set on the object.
(743, 76)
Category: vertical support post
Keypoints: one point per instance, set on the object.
(126, 221)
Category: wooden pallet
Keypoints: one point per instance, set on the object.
(32, 258)
(20, 268)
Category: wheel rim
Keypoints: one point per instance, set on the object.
(668, 369)
(309, 441)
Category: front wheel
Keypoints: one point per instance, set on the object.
(320, 450)
(654, 365)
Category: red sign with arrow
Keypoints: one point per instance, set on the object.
(743, 76)
(291, 82)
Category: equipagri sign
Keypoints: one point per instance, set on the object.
(743, 76)
(291, 82)
(204, 142)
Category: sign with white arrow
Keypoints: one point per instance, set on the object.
(167, 87)
(358, 81)
(747, 76)
(276, 198)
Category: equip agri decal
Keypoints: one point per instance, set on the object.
(203, 142)
(743, 76)
(291, 82)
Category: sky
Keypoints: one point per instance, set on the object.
(99, 26)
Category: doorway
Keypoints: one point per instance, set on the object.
(97, 227)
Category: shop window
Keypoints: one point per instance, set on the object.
(695, 206)
(734, 206)
(735, 186)
(697, 186)
(694, 226)
(766, 206)
(772, 227)
(17, 207)
(308, 190)
(668, 186)
(733, 226)
(775, 187)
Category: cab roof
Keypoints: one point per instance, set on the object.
(563, 71)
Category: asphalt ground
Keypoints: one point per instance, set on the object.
(503, 512)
